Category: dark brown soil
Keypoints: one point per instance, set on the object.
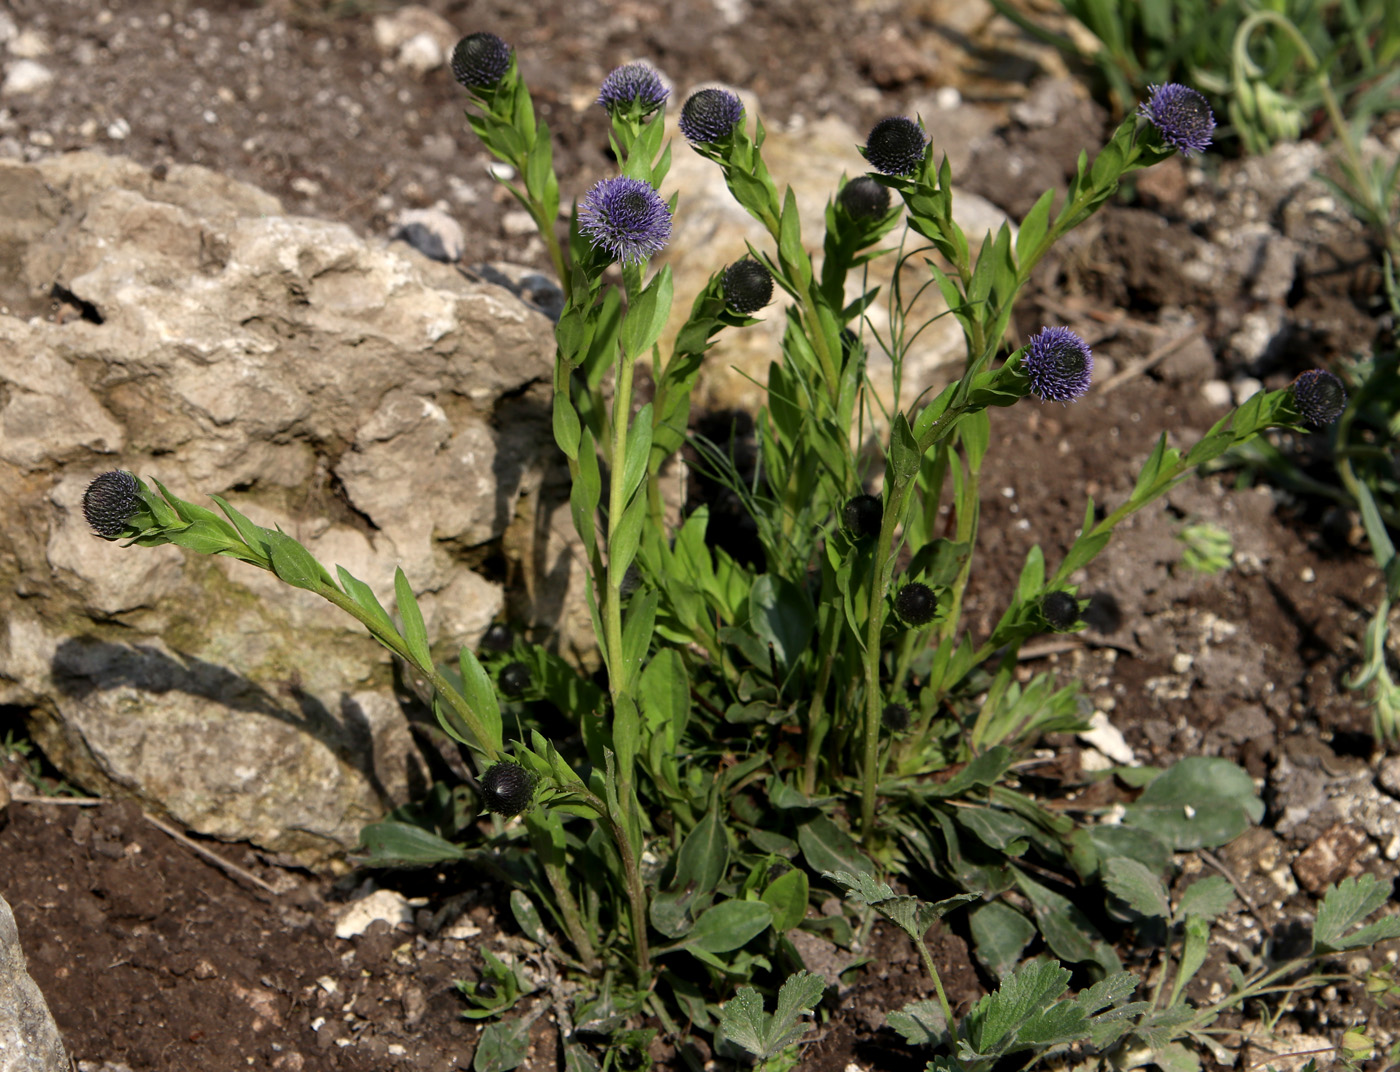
(152, 958)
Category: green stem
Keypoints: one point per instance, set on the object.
(932, 970)
(636, 895)
(395, 643)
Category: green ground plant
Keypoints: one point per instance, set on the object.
(763, 735)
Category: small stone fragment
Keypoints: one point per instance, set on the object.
(1326, 860)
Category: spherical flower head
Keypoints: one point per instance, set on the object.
(109, 502)
(507, 788)
(1319, 396)
(1061, 610)
(916, 604)
(710, 115)
(748, 286)
(1182, 117)
(896, 146)
(633, 83)
(514, 679)
(480, 60)
(864, 199)
(895, 717)
(627, 218)
(1059, 365)
(863, 516)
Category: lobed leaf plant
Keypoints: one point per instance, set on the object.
(764, 734)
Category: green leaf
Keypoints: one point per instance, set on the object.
(904, 449)
(1023, 994)
(1138, 887)
(787, 895)
(1344, 906)
(1205, 899)
(1000, 935)
(985, 770)
(826, 847)
(528, 917)
(1195, 945)
(664, 692)
(729, 925)
(646, 318)
(920, 1022)
(1200, 802)
(1033, 227)
(638, 631)
(255, 536)
(293, 563)
(394, 844)
(743, 1021)
(704, 856)
(503, 1046)
(481, 697)
(414, 632)
(363, 595)
(781, 614)
(625, 535)
(1068, 931)
(638, 450)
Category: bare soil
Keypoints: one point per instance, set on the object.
(153, 959)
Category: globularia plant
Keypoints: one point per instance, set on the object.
(766, 735)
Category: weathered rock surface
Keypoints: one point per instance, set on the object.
(29, 1039)
(382, 408)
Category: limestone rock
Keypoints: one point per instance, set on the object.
(384, 409)
(29, 1039)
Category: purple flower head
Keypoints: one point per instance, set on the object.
(1319, 396)
(109, 502)
(748, 286)
(627, 218)
(896, 146)
(480, 60)
(1182, 117)
(710, 115)
(864, 199)
(633, 83)
(1059, 364)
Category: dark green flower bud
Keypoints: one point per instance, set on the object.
(109, 502)
(496, 638)
(863, 516)
(1319, 396)
(896, 146)
(506, 788)
(515, 678)
(864, 199)
(748, 286)
(916, 604)
(1061, 610)
(895, 718)
(480, 60)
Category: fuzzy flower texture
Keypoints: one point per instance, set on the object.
(1059, 365)
(627, 218)
(710, 115)
(480, 60)
(1182, 117)
(633, 83)
(109, 502)
(1319, 396)
(896, 146)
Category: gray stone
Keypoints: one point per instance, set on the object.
(29, 1038)
(383, 409)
